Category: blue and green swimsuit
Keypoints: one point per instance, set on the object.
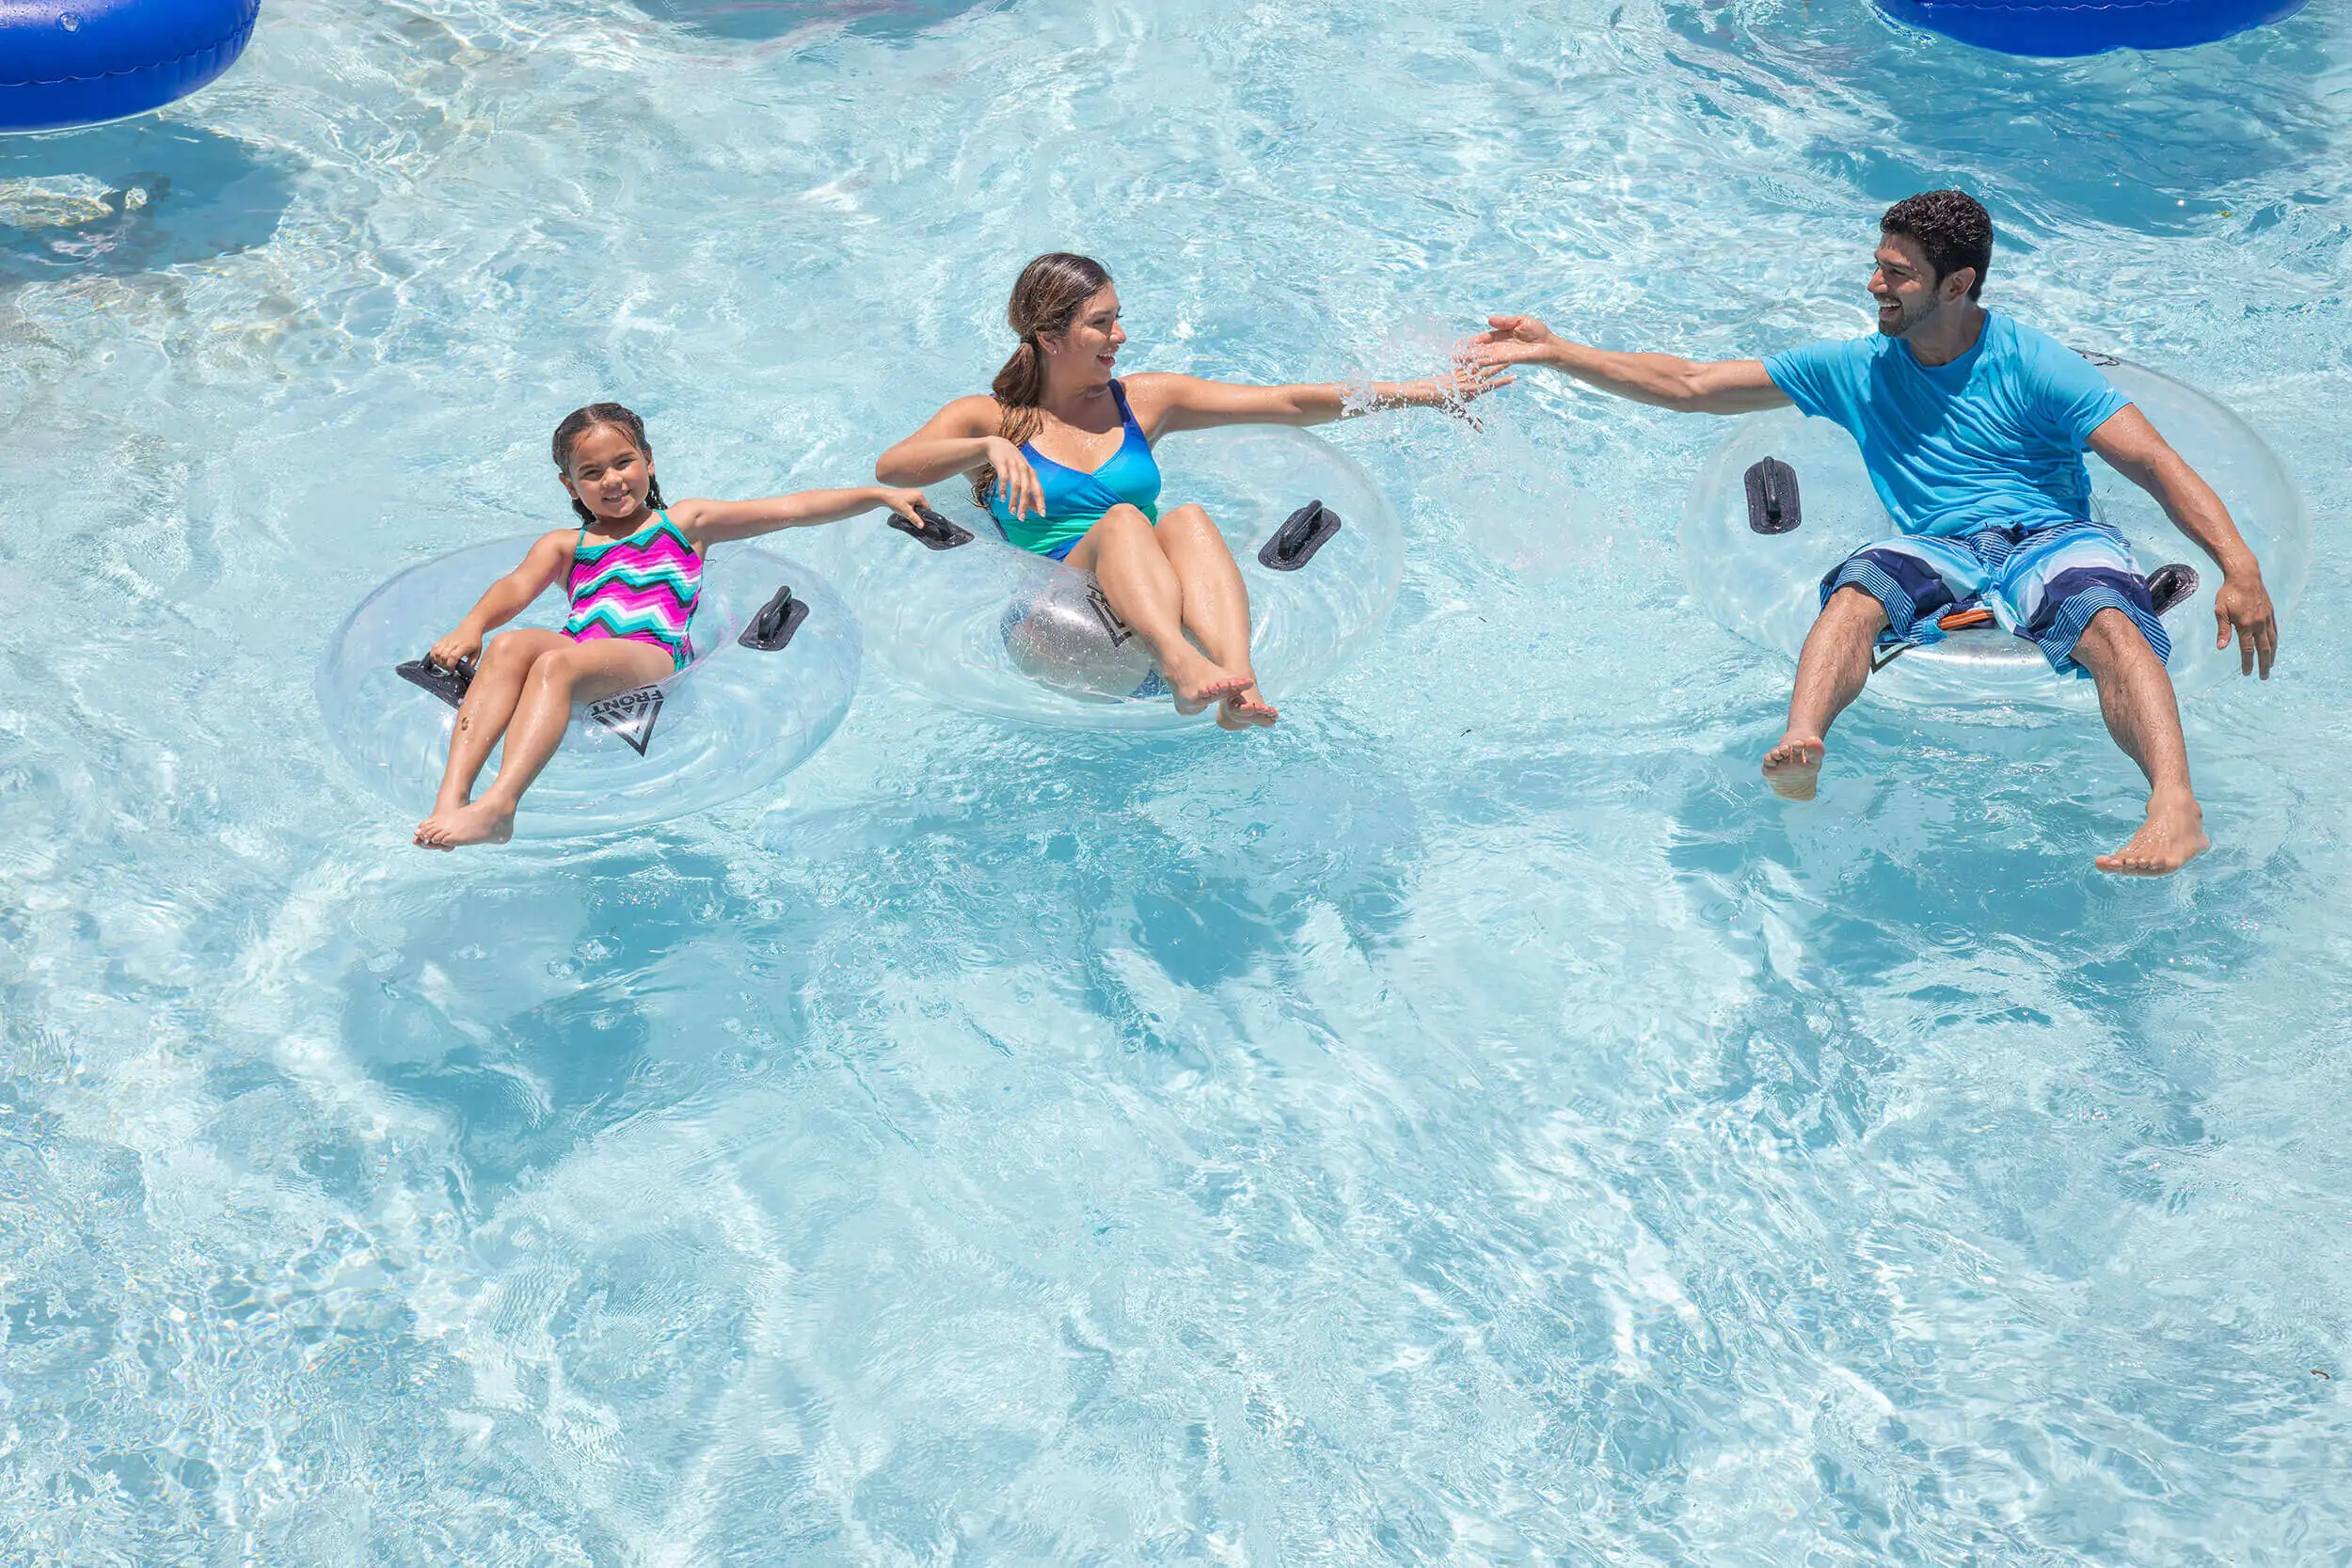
(1076, 500)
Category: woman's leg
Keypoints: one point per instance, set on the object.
(498, 682)
(576, 672)
(1124, 554)
(1216, 606)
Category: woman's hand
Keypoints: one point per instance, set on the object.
(1016, 482)
(459, 647)
(1452, 391)
(1459, 386)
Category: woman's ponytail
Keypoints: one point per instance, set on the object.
(1051, 292)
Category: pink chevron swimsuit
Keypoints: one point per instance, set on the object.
(642, 588)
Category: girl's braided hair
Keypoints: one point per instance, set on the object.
(580, 421)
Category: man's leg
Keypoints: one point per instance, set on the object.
(1830, 673)
(2136, 699)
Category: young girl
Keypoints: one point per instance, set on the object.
(1062, 454)
(633, 572)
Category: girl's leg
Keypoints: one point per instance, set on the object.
(576, 672)
(1124, 555)
(498, 682)
(1216, 606)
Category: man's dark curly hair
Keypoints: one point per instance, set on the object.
(1951, 227)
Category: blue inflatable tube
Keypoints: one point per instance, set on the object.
(2063, 27)
(65, 63)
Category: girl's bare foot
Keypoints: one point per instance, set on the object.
(1197, 682)
(444, 806)
(1793, 767)
(1246, 709)
(2173, 835)
(483, 822)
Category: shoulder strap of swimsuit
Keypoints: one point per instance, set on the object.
(1118, 390)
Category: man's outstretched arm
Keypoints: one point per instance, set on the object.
(2132, 446)
(1661, 380)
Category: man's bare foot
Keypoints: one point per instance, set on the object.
(2173, 835)
(483, 822)
(1246, 709)
(1199, 682)
(1793, 767)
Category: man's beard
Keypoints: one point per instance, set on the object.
(1906, 321)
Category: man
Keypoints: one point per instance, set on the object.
(1972, 426)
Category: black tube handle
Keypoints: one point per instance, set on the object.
(773, 627)
(2169, 585)
(1775, 505)
(448, 685)
(937, 532)
(1303, 533)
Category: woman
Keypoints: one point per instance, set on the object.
(1061, 456)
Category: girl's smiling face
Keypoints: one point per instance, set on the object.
(609, 474)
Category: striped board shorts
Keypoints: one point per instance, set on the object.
(2042, 584)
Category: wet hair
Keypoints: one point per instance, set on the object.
(1047, 298)
(602, 416)
(1951, 227)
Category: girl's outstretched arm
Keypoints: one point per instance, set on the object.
(708, 523)
(1163, 401)
(505, 599)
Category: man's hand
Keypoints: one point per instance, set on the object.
(1661, 380)
(1511, 340)
(2243, 604)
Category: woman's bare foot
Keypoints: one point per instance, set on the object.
(1793, 767)
(1246, 709)
(1198, 682)
(2173, 835)
(483, 822)
(444, 806)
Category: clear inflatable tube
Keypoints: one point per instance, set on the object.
(992, 628)
(1767, 586)
(733, 720)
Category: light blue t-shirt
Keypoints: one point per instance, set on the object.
(1994, 439)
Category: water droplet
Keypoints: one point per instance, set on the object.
(71, 23)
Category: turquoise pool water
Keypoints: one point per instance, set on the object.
(1473, 1123)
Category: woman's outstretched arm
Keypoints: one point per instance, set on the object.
(708, 522)
(505, 599)
(1165, 403)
